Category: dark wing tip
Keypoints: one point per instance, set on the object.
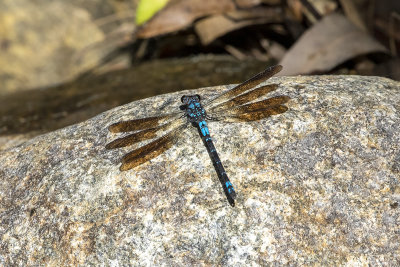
(114, 128)
(275, 69)
(113, 145)
(109, 146)
(124, 167)
(286, 98)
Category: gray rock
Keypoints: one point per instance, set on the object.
(317, 185)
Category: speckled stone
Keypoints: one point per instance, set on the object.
(317, 185)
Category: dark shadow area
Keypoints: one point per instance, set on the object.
(44, 110)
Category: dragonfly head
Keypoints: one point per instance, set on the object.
(186, 99)
(193, 109)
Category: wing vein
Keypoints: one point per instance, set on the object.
(247, 85)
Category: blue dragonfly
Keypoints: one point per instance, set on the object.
(231, 106)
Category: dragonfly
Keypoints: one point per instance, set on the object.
(235, 105)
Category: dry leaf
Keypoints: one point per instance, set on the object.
(330, 42)
(296, 9)
(216, 26)
(322, 7)
(179, 14)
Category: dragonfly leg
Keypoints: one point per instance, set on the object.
(213, 118)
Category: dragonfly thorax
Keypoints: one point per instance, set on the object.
(193, 108)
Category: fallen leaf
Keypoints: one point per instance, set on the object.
(181, 13)
(211, 28)
(330, 42)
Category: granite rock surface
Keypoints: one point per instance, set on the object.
(317, 185)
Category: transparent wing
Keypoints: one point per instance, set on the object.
(151, 150)
(254, 111)
(247, 85)
(245, 98)
(144, 134)
(140, 124)
(255, 115)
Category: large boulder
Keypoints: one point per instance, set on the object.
(317, 185)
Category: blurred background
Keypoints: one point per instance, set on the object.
(62, 62)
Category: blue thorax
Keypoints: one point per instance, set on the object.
(196, 113)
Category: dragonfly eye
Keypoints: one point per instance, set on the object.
(198, 97)
(184, 99)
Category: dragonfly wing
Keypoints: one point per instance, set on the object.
(245, 98)
(263, 104)
(140, 124)
(247, 85)
(259, 105)
(255, 115)
(144, 134)
(151, 150)
(253, 111)
(133, 138)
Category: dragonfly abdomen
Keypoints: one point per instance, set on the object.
(223, 177)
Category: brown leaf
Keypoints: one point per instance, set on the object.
(216, 26)
(181, 13)
(330, 42)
